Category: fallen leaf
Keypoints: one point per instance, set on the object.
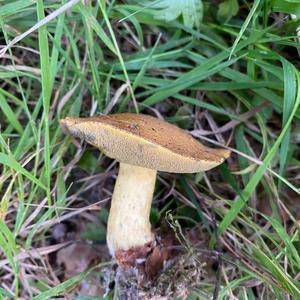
(78, 257)
(158, 256)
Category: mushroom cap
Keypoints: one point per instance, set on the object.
(145, 141)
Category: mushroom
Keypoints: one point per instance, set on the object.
(142, 145)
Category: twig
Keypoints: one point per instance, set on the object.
(62, 218)
(34, 253)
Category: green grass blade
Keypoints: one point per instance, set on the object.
(14, 7)
(247, 192)
(245, 25)
(290, 90)
(60, 288)
(46, 92)
(277, 271)
(97, 28)
(13, 164)
(11, 117)
(118, 53)
(189, 79)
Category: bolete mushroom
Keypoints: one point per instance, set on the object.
(142, 145)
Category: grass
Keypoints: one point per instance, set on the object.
(234, 81)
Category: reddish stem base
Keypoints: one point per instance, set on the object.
(134, 257)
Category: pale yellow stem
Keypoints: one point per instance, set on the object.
(128, 222)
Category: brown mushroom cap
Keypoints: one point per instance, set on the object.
(145, 141)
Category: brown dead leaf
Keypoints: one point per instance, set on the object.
(78, 257)
(159, 255)
(155, 261)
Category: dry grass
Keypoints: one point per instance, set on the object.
(233, 232)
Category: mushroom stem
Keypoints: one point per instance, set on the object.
(128, 226)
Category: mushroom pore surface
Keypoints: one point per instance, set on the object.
(146, 141)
